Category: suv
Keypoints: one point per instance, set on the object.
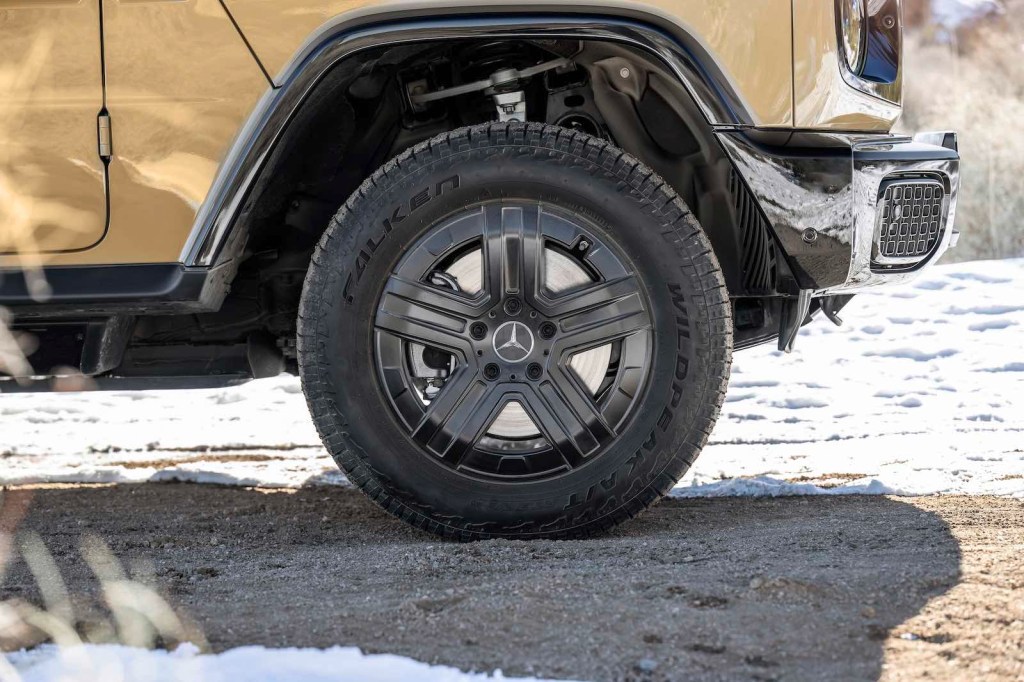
(509, 250)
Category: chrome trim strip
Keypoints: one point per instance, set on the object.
(939, 138)
(681, 52)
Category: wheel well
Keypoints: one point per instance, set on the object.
(369, 108)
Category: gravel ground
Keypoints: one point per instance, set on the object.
(788, 588)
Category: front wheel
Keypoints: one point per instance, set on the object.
(514, 330)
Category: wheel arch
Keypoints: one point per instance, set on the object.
(250, 200)
(214, 237)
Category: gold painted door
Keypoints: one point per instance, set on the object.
(180, 85)
(52, 179)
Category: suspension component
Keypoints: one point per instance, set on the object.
(497, 81)
(511, 106)
(509, 100)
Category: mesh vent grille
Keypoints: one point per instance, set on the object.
(910, 224)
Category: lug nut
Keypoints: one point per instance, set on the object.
(513, 306)
(534, 372)
(548, 330)
(478, 330)
(492, 371)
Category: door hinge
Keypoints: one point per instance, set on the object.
(105, 140)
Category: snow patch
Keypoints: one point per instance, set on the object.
(766, 486)
(91, 663)
(921, 395)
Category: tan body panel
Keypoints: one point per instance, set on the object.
(822, 98)
(751, 39)
(180, 85)
(52, 194)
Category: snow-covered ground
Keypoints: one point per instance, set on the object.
(251, 664)
(920, 392)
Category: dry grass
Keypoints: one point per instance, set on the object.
(131, 610)
(973, 82)
(14, 348)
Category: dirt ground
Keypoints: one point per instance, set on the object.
(761, 589)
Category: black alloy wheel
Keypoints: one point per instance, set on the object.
(563, 356)
(514, 330)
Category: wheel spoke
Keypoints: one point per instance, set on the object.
(435, 297)
(598, 315)
(425, 314)
(457, 418)
(512, 249)
(593, 297)
(570, 421)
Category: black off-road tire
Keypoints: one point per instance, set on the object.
(658, 236)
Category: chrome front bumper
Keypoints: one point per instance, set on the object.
(822, 194)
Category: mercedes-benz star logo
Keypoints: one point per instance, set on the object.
(513, 342)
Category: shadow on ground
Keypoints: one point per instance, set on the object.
(805, 588)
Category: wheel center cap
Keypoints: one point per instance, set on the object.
(513, 342)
